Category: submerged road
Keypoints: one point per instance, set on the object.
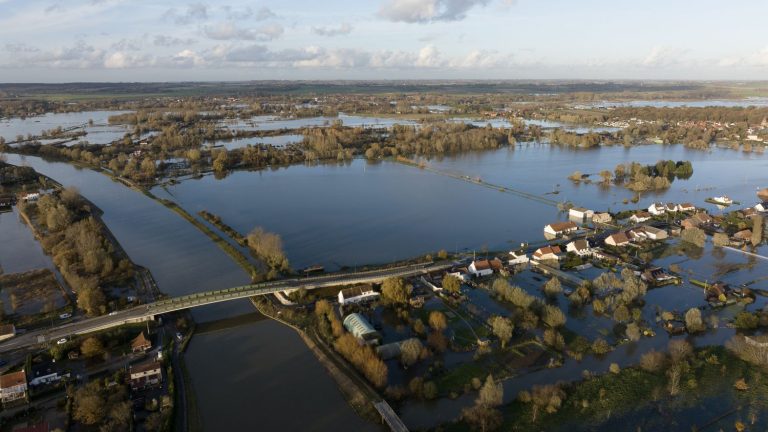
(149, 311)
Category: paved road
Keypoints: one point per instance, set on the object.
(149, 311)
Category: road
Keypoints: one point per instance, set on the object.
(149, 311)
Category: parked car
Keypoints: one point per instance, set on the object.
(113, 313)
(65, 315)
(61, 341)
(179, 336)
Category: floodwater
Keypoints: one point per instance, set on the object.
(726, 103)
(261, 376)
(183, 260)
(275, 141)
(361, 213)
(100, 133)
(277, 123)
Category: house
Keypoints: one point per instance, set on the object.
(743, 235)
(140, 343)
(723, 200)
(357, 294)
(7, 202)
(145, 375)
(579, 247)
(460, 275)
(361, 328)
(602, 218)
(560, 228)
(686, 207)
(486, 267)
(618, 239)
(548, 253)
(518, 257)
(748, 212)
(639, 217)
(46, 374)
(657, 209)
(580, 213)
(603, 256)
(689, 223)
(651, 233)
(657, 276)
(762, 207)
(702, 218)
(7, 331)
(33, 196)
(13, 386)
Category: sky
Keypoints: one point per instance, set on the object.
(175, 40)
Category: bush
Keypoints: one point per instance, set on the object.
(653, 361)
(693, 321)
(746, 321)
(600, 347)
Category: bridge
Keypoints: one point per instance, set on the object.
(149, 311)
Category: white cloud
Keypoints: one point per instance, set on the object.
(423, 11)
(124, 60)
(343, 29)
(229, 31)
(661, 56)
(169, 41)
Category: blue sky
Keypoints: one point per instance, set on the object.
(136, 40)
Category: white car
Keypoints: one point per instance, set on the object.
(65, 316)
(61, 341)
(113, 313)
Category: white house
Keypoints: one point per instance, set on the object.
(460, 275)
(724, 200)
(560, 228)
(619, 239)
(580, 213)
(579, 247)
(670, 207)
(639, 217)
(481, 268)
(33, 196)
(145, 375)
(13, 386)
(657, 209)
(357, 294)
(602, 218)
(518, 257)
(547, 253)
(686, 207)
(654, 233)
(762, 207)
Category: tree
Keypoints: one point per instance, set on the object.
(451, 284)
(410, 351)
(553, 316)
(90, 407)
(746, 321)
(269, 247)
(502, 328)
(679, 350)
(437, 321)
(553, 288)
(547, 397)
(633, 332)
(395, 291)
(693, 321)
(92, 347)
(757, 230)
(653, 361)
(694, 236)
(491, 394)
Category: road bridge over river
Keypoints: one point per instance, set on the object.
(151, 310)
